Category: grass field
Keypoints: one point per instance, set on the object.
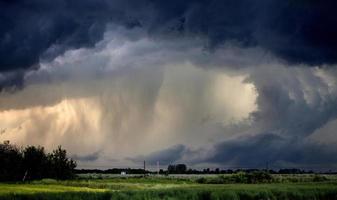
(173, 187)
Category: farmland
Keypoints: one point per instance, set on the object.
(173, 187)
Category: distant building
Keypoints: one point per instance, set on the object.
(123, 173)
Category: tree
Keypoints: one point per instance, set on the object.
(181, 168)
(171, 169)
(35, 163)
(10, 162)
(62, 167)
(177, 169)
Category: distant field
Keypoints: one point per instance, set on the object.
(171, 187)
(192, 177)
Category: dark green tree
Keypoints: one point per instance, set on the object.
(181, 168)
(61, 166)
(10, 162)
(35, 162)
(177, 169)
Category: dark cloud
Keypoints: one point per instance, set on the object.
(295, 102)
(299, 31)
(253, 151)
(292, 105)
(89, 157)
(33, 29)
(11, 80)
(165, 157)
(38, 25)
(278, 151)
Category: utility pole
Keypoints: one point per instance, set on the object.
(144, 169)
(158, 168)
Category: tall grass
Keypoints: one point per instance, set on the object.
(58, 196)
(162, 188)
(263, 177)
(182, 194)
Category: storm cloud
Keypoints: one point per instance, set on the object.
(220, 83)
(296, 31)
(165, 156)
(274, 150)
(292, 105)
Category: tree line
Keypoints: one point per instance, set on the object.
(112, 171)
(183, 169)
(32, 163)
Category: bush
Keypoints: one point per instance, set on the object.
(240, 177)
(319, 178)
(259, 177)
(201, 180)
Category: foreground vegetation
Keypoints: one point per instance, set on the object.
(23, 172)
(168, 188)
(32, 163)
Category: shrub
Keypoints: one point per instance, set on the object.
(319, 178)
(259, 177)
(240, 177)
(201, 180)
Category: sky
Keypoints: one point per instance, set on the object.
(216, 83)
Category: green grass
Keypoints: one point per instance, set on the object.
(165, 188)
(39, 188)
